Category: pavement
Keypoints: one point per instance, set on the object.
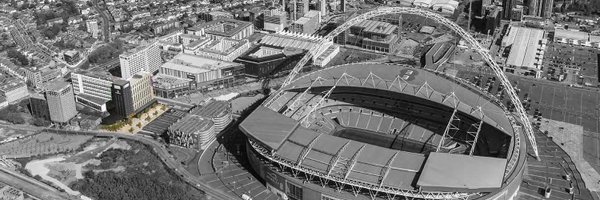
(31, 186)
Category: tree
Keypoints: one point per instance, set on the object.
(18, 56)
(139, 124)
(52, 31)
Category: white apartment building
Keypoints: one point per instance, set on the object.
(92, 89)
(145, 58)
(142, 92)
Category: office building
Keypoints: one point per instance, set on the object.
(145, 58)
(307, 24)
(92, 89)
(39, 106)
(373, 35)
(142, 94)
(61, 101)
(274, 22)
(192, 131)
(322, 7)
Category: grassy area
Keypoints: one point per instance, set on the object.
(144, 177)
(42, 144)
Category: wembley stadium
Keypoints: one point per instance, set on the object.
(384, 131)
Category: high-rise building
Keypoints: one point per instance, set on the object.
(92, 27)
(322, 7)
(121, 99)
(39, 106)
(507, 7)
(534, 7)
(61, 101)
(142, 93)
(145, 58)
(92, 89)
(547, 7)
(343, 5)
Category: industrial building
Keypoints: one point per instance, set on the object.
(526, 46)
(61, 101)
(427, 136)
(372, 35)
(145, 57)
(192, 131)
(219, 112)
(204, 72)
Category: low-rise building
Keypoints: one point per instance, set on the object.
(205, 72)
(170, 86)
(226, 28)
(13, 89)
(263, 60)
(224, 49)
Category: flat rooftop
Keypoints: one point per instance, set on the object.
(525, 43)
(196, 64)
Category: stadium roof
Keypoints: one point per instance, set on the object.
(352, 160)
(390, 77)
(461, 173)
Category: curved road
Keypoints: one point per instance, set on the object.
(164, 155)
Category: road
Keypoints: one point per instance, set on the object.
(31, 186)
(164, 155)
(105, 22)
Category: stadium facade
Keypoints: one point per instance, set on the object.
(385, 131)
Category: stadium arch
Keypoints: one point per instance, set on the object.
(520, 111)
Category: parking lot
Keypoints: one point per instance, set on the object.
(558, 102)
(581, 59)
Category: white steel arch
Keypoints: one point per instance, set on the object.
(444, 21)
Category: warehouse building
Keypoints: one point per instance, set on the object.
(526, 46)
